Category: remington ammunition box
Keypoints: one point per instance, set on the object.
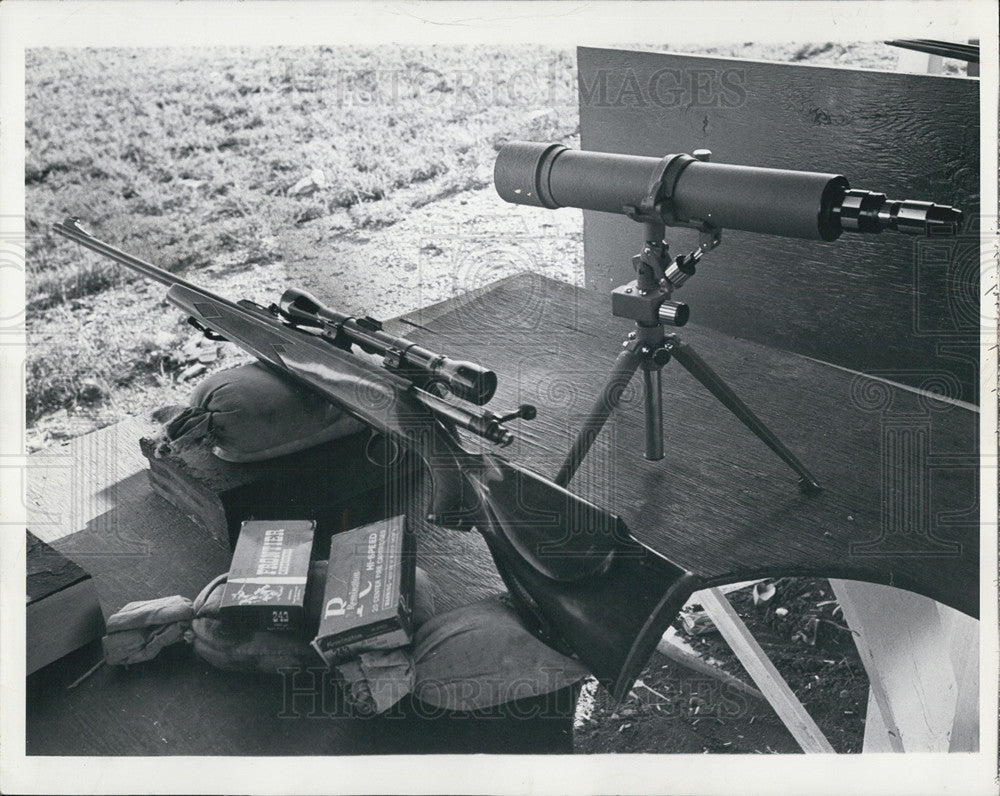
(368, 599)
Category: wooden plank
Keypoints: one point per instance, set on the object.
(962, 635)
(788, 707)
(905, 651)
(877, 736)
(674, 649)
(72, 485)
(884, 303)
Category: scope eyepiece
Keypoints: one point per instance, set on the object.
(867, 211)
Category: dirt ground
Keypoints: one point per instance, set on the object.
(673, 709)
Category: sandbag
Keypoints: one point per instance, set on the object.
(481, 655)
(467, 659)
(252, 413)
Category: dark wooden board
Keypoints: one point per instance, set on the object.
(899, 470)
(906, 307)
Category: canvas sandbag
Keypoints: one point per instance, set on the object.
(252, 413)
(469, 658)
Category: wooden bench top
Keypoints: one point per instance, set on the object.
(899, 468)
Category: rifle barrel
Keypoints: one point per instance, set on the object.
(466, 380)
(70, 228)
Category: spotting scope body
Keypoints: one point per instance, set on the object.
(681, 190)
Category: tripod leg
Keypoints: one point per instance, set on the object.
(698, 368)
(653, 401)
(625, 367)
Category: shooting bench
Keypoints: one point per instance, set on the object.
(791, 328)
(717, 501)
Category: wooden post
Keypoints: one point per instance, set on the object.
(788, 707)
(963, 644)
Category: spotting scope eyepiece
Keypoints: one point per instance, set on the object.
(866, 211)
(680, 190)
(465, 380)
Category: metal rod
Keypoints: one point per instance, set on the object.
(698, 368)
(653, 231)
(70, 228)
(611, 394)
(946, 49)
(653, 401)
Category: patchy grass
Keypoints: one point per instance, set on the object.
(188, 153)
(192, 157)
(200, 159)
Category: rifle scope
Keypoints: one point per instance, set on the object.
(681, 190)
(466, 380)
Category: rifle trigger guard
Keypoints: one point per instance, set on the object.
(205, 330)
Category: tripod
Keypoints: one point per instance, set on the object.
(646, 300)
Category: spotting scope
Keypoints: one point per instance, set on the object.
(686, 190)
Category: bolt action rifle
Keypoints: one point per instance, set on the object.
(569, 565)
(579, 578)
